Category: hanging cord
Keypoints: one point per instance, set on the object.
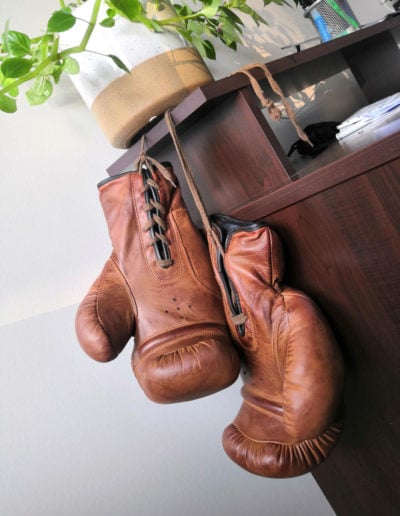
(190, 181)
(238, 318)
(273, 111)
(144, 160)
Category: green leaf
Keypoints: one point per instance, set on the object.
(108, 22)
(185, 34)
(229, 33)
(13, 92)
(119, 63)
(130, 9)
(5, 48)
(246, 9)
(211, 10)
(41, 47)
(17, 43)
(232, 17)
(60, 21)
(16, 67)
(7, 104)
(210, 50)
(195, 27)
(47, 70)
(182, 10)
(7, 82)
(57, 72)
(70, 65)
(204, 47)
(151, 24)
(39, 92)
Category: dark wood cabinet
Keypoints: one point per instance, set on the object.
(339, 219)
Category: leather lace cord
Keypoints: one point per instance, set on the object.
(156, 224)
(273, 111)
(190, 181)
(238, 317)
(145, 160)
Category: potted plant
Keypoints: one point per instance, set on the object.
(129, 59)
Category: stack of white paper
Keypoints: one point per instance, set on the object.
(367, 115)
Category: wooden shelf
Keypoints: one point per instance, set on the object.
(376, 133)
(338, 217)
(293, 73)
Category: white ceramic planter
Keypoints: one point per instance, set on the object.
(164, 70)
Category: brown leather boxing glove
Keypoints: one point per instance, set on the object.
(158, 286)
(293, 372)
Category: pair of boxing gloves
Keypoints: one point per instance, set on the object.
(196, 321)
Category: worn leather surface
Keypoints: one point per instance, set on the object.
(292, 368)
(182, 346)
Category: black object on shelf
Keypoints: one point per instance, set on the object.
(321, 135)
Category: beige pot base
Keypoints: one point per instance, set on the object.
(129, 102)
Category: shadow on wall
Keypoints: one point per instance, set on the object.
(286, 26)
(284, 29)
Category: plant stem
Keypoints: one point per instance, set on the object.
(55, 56)
(91, 25)
(27, 77)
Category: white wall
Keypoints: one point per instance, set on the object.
(76, 437)
(370, 10)
(52, 157)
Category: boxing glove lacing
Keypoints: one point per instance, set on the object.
(156, 223)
